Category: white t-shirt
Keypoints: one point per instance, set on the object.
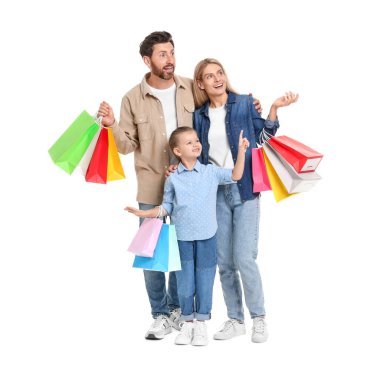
(220, 153)
(167, 98)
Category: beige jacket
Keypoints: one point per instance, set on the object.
(142, 130)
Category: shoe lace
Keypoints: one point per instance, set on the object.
(199, 328)
(228, 325)
(186, 329)
(258, 325)
(158, 321)
(175, 314)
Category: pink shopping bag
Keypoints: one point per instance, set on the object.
(259, 171)
(145, 240)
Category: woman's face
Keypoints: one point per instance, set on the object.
(213, 81)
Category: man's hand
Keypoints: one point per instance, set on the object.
(170, 170)
(257, 105)
(106, 112)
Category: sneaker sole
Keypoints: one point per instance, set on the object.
(152, 336)
(229, 337)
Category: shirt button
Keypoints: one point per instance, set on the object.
(227, 122)
(164, 150)
(163, 133)
(161, 117)
(165, 167)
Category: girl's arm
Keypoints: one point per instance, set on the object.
(153, 212)
(238, 170)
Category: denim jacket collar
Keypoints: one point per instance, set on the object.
(230, 100)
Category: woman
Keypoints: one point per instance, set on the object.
(220, 116)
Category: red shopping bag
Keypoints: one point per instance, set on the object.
(97, 169)
(301, 157)
(259, 171)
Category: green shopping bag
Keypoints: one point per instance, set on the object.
(70, 147)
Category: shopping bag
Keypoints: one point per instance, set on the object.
(259, 171)
(278, 188)
(174, 257)
(97, 169)
(114, 168)
(166, 248)
(145, 240)
(70, 147)
(300, 156)
(85, 161)
(294, 182)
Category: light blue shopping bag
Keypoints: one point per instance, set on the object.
(166, 254)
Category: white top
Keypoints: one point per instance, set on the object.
(167, 99)
(220, 153)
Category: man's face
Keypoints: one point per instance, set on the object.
(162, 61)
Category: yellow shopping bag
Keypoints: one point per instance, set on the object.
(114, 168)
(278, 188)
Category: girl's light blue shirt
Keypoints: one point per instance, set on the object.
(190, 199)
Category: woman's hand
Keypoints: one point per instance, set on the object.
(286, 100)
(135, 211)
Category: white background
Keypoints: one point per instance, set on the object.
(69, 296)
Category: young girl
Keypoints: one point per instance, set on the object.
(220, 115)
(190, 200)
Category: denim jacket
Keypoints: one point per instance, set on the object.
(241, 115)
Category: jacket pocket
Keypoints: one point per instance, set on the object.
(144, 128)
(188, 110)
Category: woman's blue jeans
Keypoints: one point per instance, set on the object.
(237, 241)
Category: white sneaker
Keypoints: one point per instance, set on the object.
(259, 330)
(230, 329)
(159, 328)
(199, 334)
(186, 334)
(174, 318)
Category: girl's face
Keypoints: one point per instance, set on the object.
(189, 146)
(213, 81)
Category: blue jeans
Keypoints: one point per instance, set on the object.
(196, 279)
(162, 300)
(237, 239)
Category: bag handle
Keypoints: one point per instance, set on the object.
(264, 137)
(98, 119)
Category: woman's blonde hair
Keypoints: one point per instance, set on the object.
(200, 96)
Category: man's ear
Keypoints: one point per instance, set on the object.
(177, 151)
(146, 60)
(200, 84)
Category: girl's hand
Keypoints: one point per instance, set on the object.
(243, 143)
(286, 100)
(135, 211)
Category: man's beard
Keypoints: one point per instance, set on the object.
(161, 73)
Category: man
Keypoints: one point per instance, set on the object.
(149, 113)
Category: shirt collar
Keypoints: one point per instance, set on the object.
(181, 168)
(145, 88)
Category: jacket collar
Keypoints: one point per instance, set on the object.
(230, 100)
